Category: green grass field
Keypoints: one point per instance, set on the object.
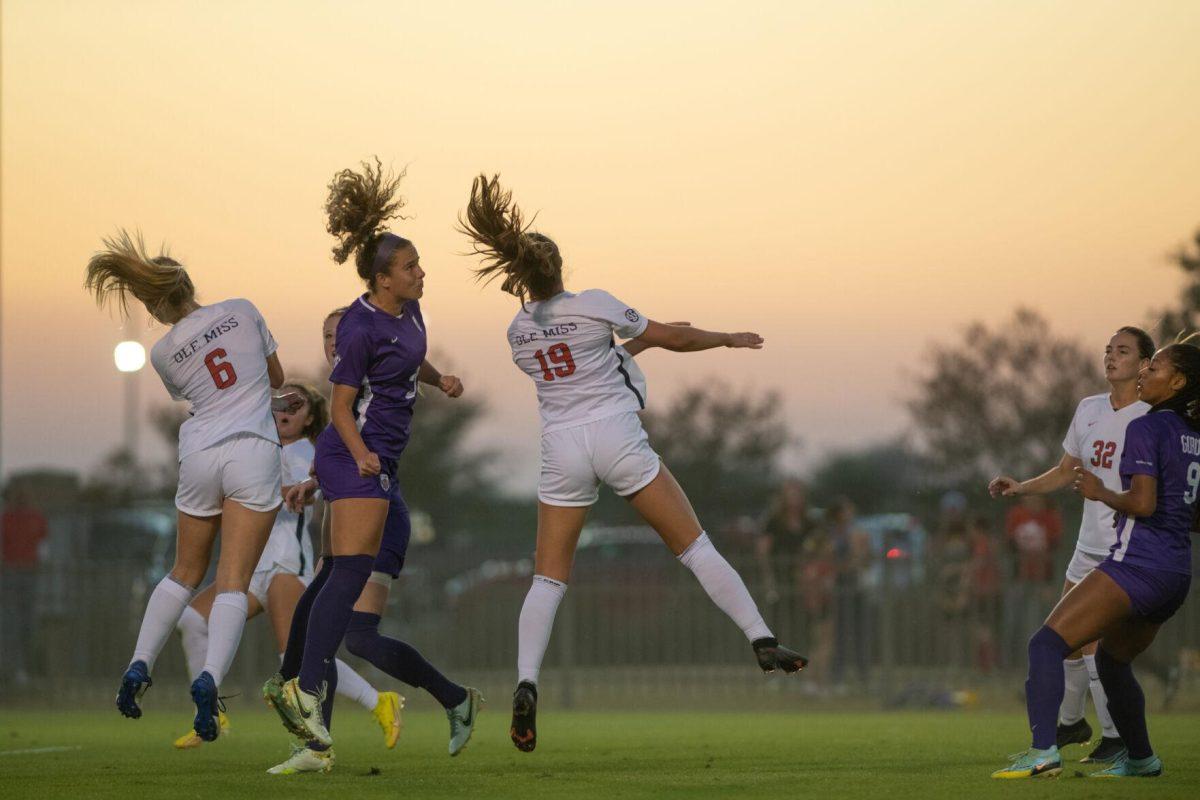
(580, 755)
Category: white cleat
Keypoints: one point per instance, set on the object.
(462, 720)
(304, 711)
(304, 760)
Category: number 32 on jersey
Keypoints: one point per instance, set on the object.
(556, 361)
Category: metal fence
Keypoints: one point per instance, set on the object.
(635, 630)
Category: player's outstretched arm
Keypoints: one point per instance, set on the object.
(681, 339)
(635, 346)
(1057, 477)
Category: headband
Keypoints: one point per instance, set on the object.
(388, 244)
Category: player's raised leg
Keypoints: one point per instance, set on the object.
(194, 541)
(665, 507)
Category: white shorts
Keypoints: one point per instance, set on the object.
(613, 450)
(244, 468)
(260, 581)
(1081, 564)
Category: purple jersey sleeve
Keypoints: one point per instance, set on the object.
(353, 356)
(1140, 456)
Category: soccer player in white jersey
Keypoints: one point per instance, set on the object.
(284, 569)
(221, 358)
(1096, 438)
(589, 396)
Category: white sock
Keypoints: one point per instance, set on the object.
(193, 631)
(724, 586)
(167, 602)
(354, 687)
(225, 624)
(1074, 702)
(1107, 728)
(536, 622)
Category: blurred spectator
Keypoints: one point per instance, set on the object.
(953, 598)
(854, 608)
(984, 587)
(786, 527)
(818, 577)
(22, 530)
(1032, 531)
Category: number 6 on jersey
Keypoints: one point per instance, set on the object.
(557, 354)
(222, 371)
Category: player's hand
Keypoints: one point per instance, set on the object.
(1087, 484)
(451, 385)
(1004, 486)
(288, 402)
(368, 465)
(299, 495)
(751, 340)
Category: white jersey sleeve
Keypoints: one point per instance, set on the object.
(625, 321)
(1070, 443)
(216, 359)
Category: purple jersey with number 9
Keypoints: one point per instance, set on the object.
(1164, 447)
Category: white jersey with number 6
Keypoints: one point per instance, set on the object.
(566, 345)
(216, 359)
(1097, 437)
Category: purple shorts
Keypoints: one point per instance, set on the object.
(337, 472)
(396, 532)
(1155, 594)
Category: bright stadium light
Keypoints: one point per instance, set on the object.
(129, 356)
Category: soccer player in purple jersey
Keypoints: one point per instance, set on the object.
(1143, 582)
(380, 358)
(589, 394)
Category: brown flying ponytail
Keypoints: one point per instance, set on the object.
(123, 268)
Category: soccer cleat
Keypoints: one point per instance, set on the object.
(134, 684)
(204, 695)
(1032, 763)
(772, 655)
(304, 759)
(1108, 751)
(387, 714)
(524, 718)
(192, 739)
(303, 711)
(1074, 733)
(273, 695)
(1126, 767)
(462, 720)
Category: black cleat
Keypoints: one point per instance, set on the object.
(524, 719)
(1109, 749)
(1075, 733)
(772, 655)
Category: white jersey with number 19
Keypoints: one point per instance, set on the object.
(216, 359)
(566, 345)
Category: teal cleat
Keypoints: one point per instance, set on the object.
(462, 720)
(1032, 763)
(1126, 767)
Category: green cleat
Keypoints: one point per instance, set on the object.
(273, 694)
(462, 720)
(1126, 767)
(1032, 763)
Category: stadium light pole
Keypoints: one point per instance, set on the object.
(130, 357)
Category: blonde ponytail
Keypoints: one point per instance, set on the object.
(123, 268)
(529, 261)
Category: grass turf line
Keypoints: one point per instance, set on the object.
(579, 755)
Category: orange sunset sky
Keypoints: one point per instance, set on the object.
(852, 180)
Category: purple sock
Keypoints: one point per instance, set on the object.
(331, 678)
(1126, 703)
(294, 652)
(1045, 686)
(329, 616)
(399, 659)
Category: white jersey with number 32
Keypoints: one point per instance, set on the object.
(216, 359)
(566, 345)
(1097, 438)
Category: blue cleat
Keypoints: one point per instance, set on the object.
(1126, 767)
(1032, 763)
(204, 695)
(134, 684)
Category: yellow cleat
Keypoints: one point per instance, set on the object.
(192, 739)
(387, 714)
